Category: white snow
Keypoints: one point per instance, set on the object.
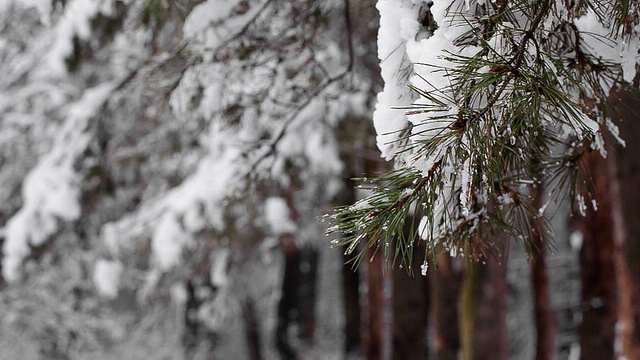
(395, 29)
(423, 228)
(278, 216)
(597, 38)
(74, 22)
(50, 190)
(465, 182)
(167, 242)
(106, 277)
(322, 152)
(213, 22)
(576, 238)
(219, 267)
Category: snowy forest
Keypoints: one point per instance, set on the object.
(319, 179)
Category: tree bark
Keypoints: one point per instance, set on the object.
(190, 337)
(252, 332)
(307, 292)
(484, 310)
(468, 310)
(351, 298)
(541, 293)
(373, 308)
(445, 282)
(288, 311)
(598, 293)
(626, 215)
(351, 287)
(410, 304)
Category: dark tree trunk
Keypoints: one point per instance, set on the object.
(251, 329)
(351, 287)
(541, 293)
(491, 320)
(373, 308)
(484, 309)
(307, 292)
(190, 337)
(626, 217)
(410, 304)
(598, 276)
(445, 285)
(351, 298)
(288, 311)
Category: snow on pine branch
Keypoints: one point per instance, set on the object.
(498, 85)
(51, 189)
(52, 112)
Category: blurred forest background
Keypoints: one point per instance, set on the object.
(163, 164)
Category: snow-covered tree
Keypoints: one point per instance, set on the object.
(148, 146)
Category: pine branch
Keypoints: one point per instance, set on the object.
(488, 137)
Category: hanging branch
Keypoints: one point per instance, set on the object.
(481, 133)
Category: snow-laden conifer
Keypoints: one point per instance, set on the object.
(508, 96)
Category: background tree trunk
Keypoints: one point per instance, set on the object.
(351, 286)
(484, 309)
(307, 292)
(373, 308)
(627, 173)
(288, 311)
(598, 294)
(410, 303)
(445, 291)
(351, 298)
(468, 309)
(251, 328)
(541, 293)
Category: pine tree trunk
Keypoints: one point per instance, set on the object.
(351, 298)
(192, 329)
(626, 217)
(543, 312)
(307, 292)
(287, 307)
(444, 299)
(350, 284)
(468, 310)
(410, 311)
(484, 310)
(373, 308)
(598, 294)
(252, 331)
(491, 314)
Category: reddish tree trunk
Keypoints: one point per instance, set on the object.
(410, 305)
(445, 286)
(251, 329)
(598, 276)
(626, 213)
(541, 293)
(490, 310)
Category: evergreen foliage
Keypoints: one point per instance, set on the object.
(504, 116)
